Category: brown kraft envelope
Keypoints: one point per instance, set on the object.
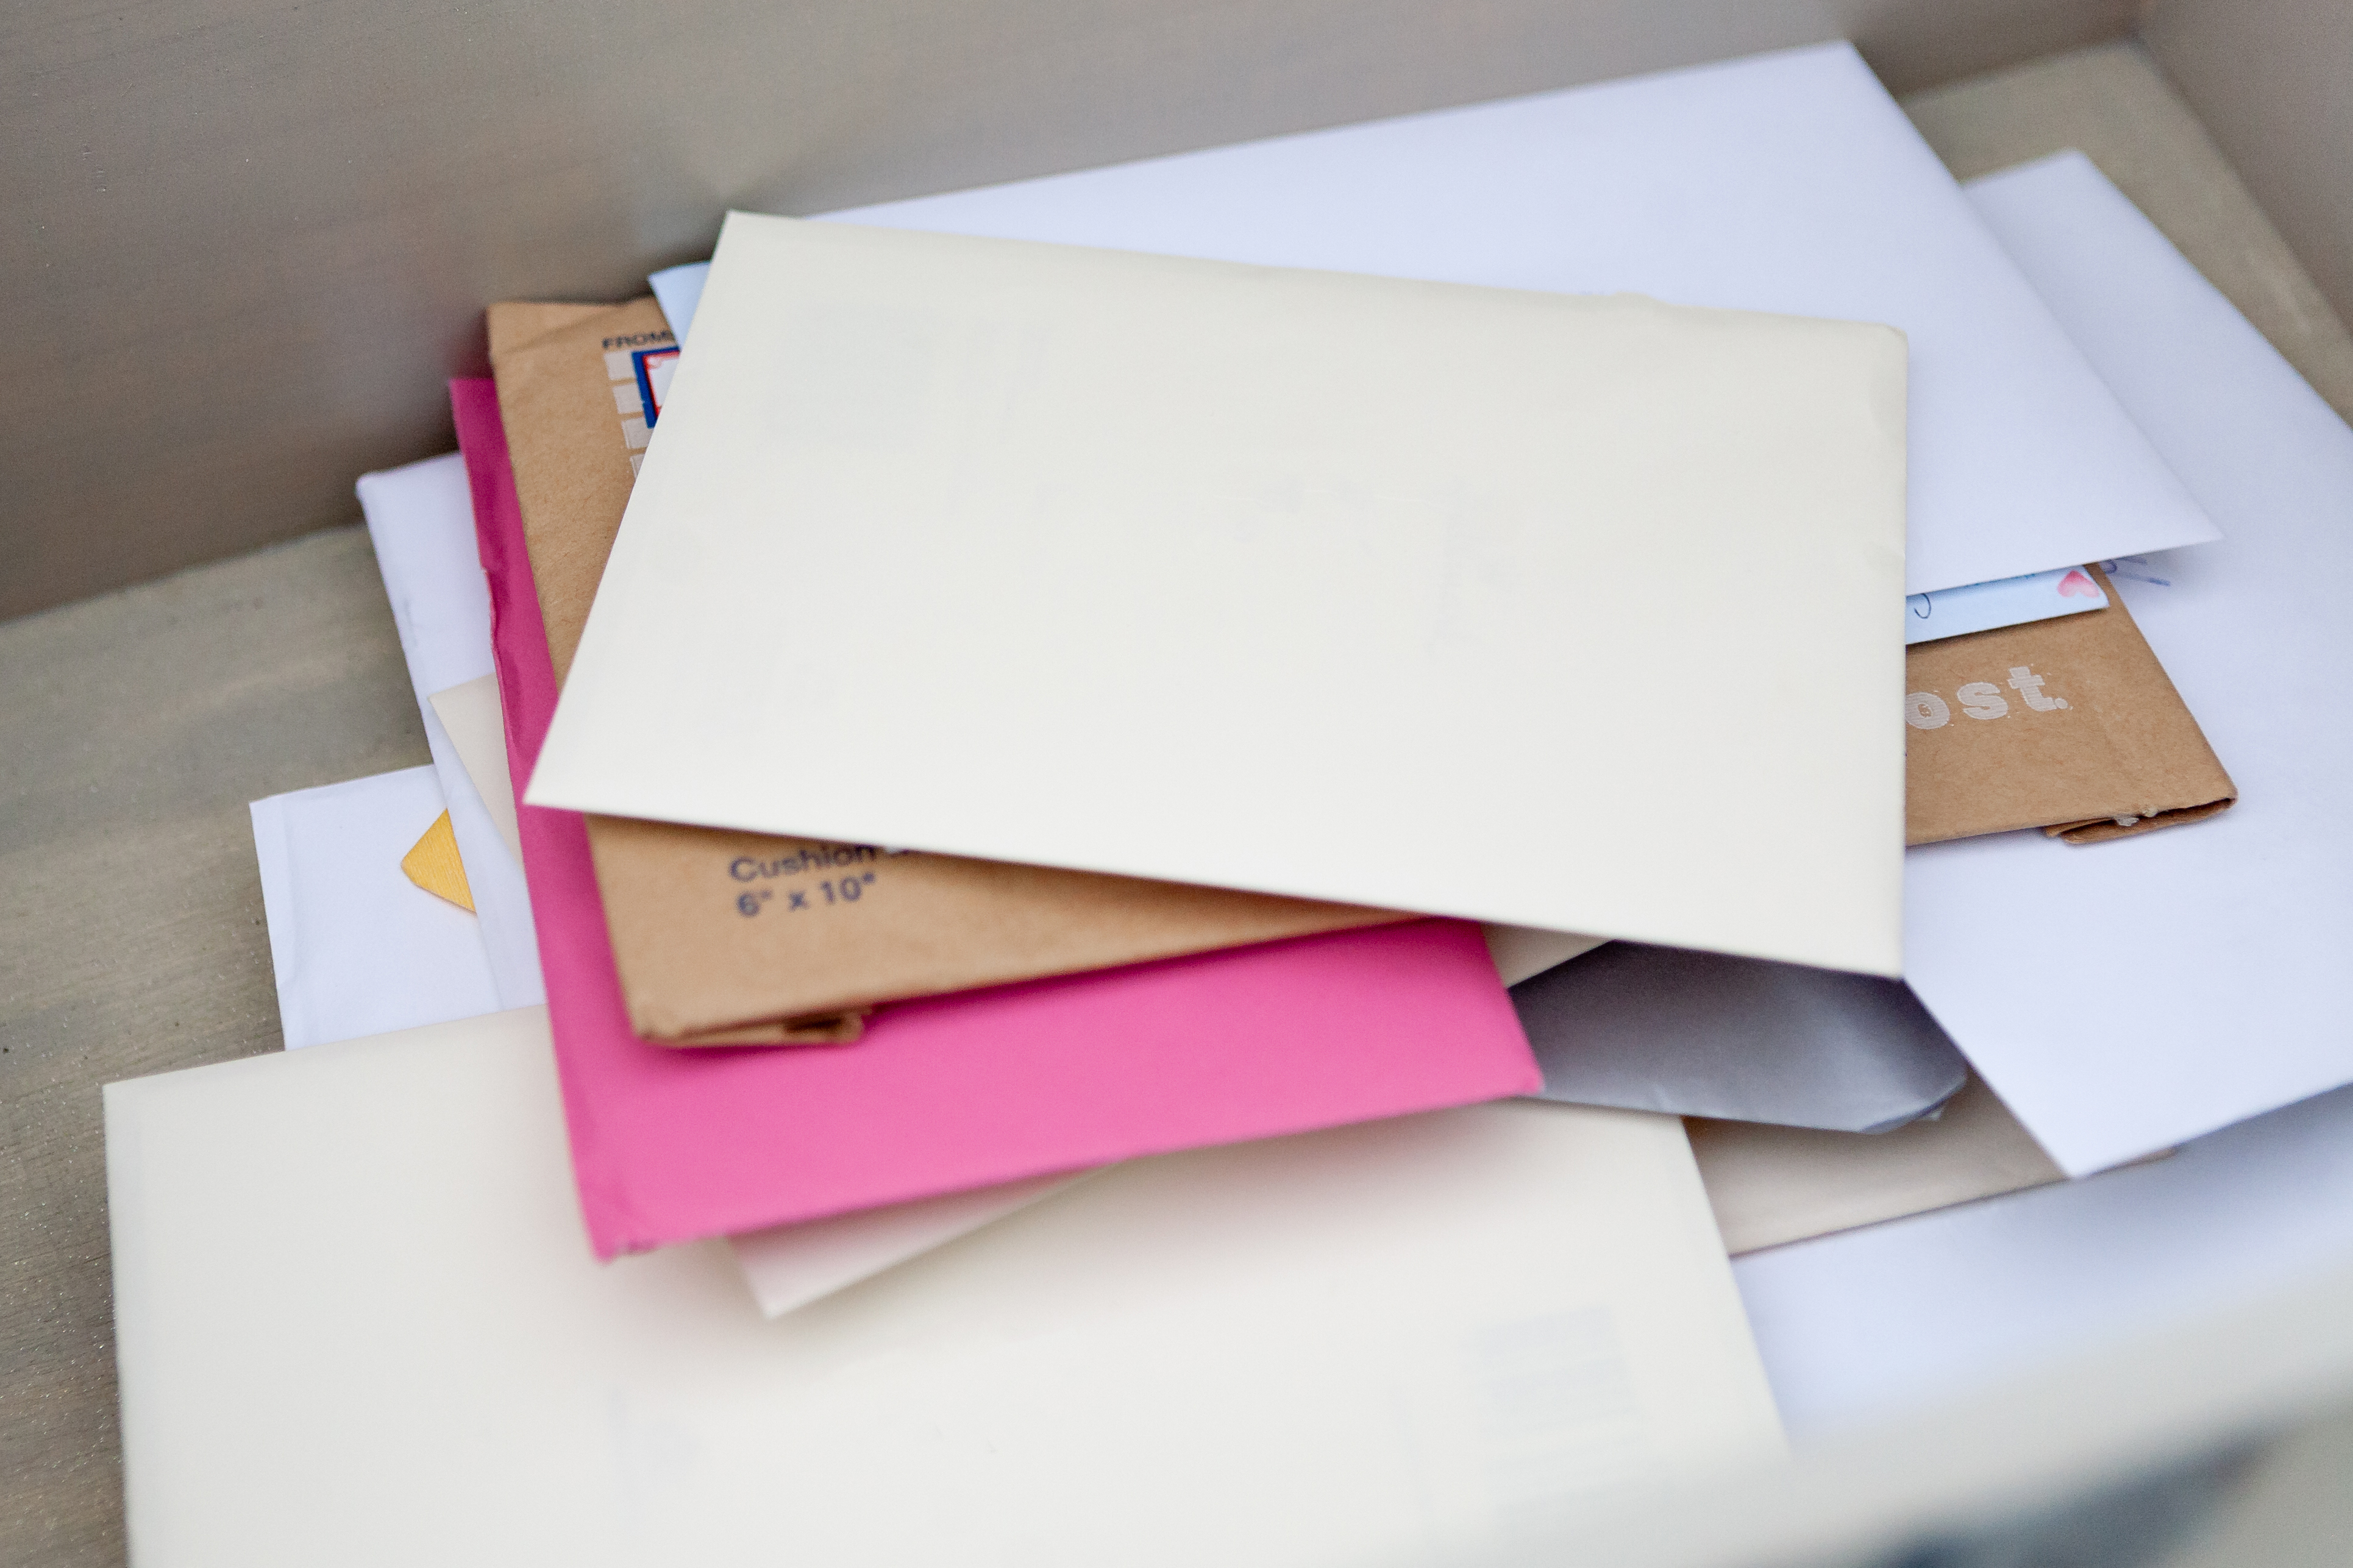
(726, 938)
(2069, 725)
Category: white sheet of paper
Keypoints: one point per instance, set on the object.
(678, 289)
(1872, 1322)
(1329, 570)
(357, 948)
(1410, 1337)
(1789, 182)
(475, 721)
(420, 519)
(2126, 996)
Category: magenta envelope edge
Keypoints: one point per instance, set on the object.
(957, 1092)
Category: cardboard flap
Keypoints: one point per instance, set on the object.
(2070, 725)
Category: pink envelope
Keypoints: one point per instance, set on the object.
(965, 1092)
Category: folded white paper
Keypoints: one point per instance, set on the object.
(1788, 182)
(357, 1322)
(1400, 593)
(2126, 996)
(357, 948)
(2013, 601)
(420, 519)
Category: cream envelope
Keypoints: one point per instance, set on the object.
(1564, 612)
(358, 1322)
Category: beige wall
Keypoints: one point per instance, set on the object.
(245, 240)
(2273, 80)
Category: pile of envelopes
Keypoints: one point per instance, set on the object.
(1157, 788)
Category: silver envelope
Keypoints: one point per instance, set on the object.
(1703, 1033)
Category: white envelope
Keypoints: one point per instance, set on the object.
(2126, 996)
(357, 1322)
(356, 947)
(1788, 182)
(678, 289)
(1563, 612)
(420, 519)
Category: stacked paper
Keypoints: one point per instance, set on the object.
(1243, 572)
(1275, 599)
(947, 1095)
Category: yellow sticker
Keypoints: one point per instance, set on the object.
(434, 865)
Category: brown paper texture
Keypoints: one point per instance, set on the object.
(2070, 725)
(726, 937)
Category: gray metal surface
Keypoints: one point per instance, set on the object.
(2272, 80)
(137, 727)
(248, 239)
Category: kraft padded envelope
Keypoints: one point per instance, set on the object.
(2070, 725)
(733, 938)
(1563, 612)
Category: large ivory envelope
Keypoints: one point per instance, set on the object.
(1568, 611)
(357, 1323)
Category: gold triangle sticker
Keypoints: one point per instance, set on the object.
(433, 865)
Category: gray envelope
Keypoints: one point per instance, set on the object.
(1701, 1034)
